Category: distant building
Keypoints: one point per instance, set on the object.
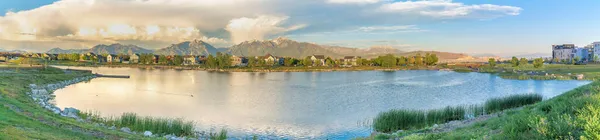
(134, 58)
(350, 60)
(318, 60)
(595, 51)
(582, 53)
(238, 61)
(563, 52)
(190, 60)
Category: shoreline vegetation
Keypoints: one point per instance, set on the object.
(545, 119)
(23, 116)
(402, 119)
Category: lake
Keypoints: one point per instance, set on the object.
(293, 105)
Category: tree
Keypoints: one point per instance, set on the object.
(433, 60)
(514, 61)
(492, 62)
(596, 59)
(329, 62)
(162, 59)
(411, 60)
(418, 60)
(359, 61)
(211, 61)
(288, 61)
(388, 60)
(178, 60)
(251, 62)
(523, 62)
(402, 61)
(307, 61)
(556, 60)
(538, 62)
(576, 60)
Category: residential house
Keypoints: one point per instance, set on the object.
(318, 60)
(155, 59)
(563, 52)
(4, 57)
(190, 60)
(236, 61)
(596, 51)
(134, 58)
(111, 58)
(350, 60)
(202, 59)
(270, 59)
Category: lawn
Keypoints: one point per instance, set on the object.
(21, 118)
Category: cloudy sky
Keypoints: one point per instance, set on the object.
(469, 26)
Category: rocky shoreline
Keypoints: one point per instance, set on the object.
(43, 95)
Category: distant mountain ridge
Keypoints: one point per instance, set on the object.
(278, 47)
(196, 47)
(103, 49)
(290, 48)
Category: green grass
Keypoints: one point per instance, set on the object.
(21, 118)
(572, 115)
(161, 126)
(499, 104)
(393, 120)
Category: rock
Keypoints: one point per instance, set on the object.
(147, 133)
(112, 127)
(126, 130)
(435, 126)
(71, 112)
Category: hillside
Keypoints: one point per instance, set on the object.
(196, 47)
(286, 47)
(104, 49)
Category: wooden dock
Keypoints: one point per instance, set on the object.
(113, 76)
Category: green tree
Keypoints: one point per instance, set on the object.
(177, 60)
(411, 60)
(433, 59)
(576, 60)
(514, 61)
(359, 61)
(162, 59)
(288, 61)
(388, 60)
(523, 62)
(418, 60)
(329, 62)
(402, 61)
(307, 61)
(492, 62)
(596, 59)
(556, 60)
(538, 62)
(211, 61)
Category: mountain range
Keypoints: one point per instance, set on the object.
(278, 47)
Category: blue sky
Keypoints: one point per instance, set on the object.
(497, 30)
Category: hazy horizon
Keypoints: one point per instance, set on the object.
(460, 26)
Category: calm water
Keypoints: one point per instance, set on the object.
(295, 105)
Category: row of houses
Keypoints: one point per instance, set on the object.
(569, 52)
(187, 59)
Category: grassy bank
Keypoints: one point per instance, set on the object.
(572, 115)
(161, 126)
(394, 120)
(21, 118)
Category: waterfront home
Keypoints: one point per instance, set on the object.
(87, 56)
(238, 61)
(350, 60)
(318, 60)
(111, 58)
(270, 59)
(134, 58)
(4, 57)
(155, 59)
(190, 60)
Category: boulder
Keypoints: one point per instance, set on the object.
(147, 133)
(126, 130)
(69, 111)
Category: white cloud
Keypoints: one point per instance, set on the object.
(388, 28)
(85, 22)
(447, 8)
(353, 1)
(258, 28)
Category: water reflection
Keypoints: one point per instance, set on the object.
(315, 105)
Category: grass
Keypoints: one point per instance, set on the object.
(572, 115)
(161, 126)
(499, 104)
(393, 120)
(21, 118)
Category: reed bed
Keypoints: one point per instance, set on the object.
(502, 103)
(402, 119)
(161, 126)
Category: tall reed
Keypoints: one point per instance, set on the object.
(162, 126)
(502, 103)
